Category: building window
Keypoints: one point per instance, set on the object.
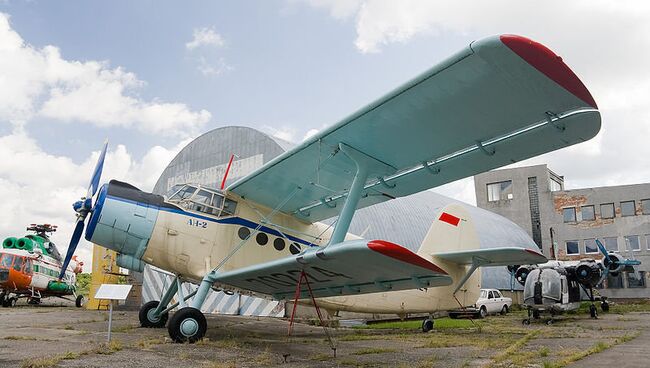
(611, 244)
(554, 185)
(572, 247)
(632, 242)
(614, 282)
(634, 280)
(499, 191)
(569, 214)
(607, 210)
(645, 206)
(647, 241)
(628, 208)
(588, 213)
(591, 246)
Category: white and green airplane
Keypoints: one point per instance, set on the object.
(500, 100)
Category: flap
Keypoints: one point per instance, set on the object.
(494, 256)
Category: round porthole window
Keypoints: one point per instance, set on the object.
(278, 244)
(294, 248)
(243, 233)
(262, 238)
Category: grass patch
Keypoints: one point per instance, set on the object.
(514, 348)
(110, 348)
(45, 362)
(598, 347)
(125, 328)
(27, 338)
(440, 323)
(148, 343)
(544, 351)
(374, 351)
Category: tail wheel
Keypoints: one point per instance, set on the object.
(504, 310)
(147, 318)
(187, 325)
(483, 312)
(427, 325)
(79, 302)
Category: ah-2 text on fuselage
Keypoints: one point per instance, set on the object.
(500, 100)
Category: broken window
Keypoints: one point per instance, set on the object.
(499, 191)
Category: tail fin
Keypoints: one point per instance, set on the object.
(453, 230)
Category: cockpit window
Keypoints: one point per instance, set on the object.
(173, 190)
(202, 199)
(203, 196)
(551, 284)
(6, 260)
(18, 263)
(183, 194)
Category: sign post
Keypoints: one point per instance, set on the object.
(112, 292)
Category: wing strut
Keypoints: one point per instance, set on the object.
(365, 166)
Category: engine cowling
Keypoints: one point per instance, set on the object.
(522, 273)
(614, 263)
(588, 273)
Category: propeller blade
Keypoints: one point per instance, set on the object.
(603, 250)
(97, 174)
(74, 241)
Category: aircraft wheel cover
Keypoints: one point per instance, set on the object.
(187, 325)
(146, 316)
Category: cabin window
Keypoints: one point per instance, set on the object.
(18, 263)
(591, 246)
(6, 260)
(499, 191)
(607, 210)
(28, 266)
(636, 279)
(632, 242)
(628, 208)
(569, 214)
(588, 213)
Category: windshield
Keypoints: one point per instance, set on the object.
(550, 282)
(201, 199)
(5, 261)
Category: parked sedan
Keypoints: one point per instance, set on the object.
(491, 301)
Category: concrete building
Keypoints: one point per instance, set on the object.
(534, 198)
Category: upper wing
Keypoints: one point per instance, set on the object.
(352, 267)
(503, 256)
(500, 100)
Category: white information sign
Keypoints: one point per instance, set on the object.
(113, 291)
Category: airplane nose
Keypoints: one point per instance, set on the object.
(123, 222)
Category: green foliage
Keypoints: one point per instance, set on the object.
(83, 283)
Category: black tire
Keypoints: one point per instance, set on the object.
(145, 318)
(5, 301)
(504, 310)
(12, 302)
(427, 325)
(593, 312)
(79, 302)
(549, 322)
(604, 306)
(483, 312)
(525, 322)
(187, 325)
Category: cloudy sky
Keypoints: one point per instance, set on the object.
(151, 75)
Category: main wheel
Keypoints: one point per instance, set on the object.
(427, 325)
(79, 302)
(147, 318)
(187, 325)
(5, 301)
(593, 312)
(525, 322)
(504, 310)
(483, 312)
(604, 306)
(12, 302)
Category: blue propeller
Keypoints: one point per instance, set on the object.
(612, 264)
(83, 208)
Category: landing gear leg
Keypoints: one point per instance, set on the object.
(593, 311)
(153, 314)
(188, 324)
(427, 324)
(526, 321)
(604, 306)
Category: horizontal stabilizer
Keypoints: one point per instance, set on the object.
(352, 267)
(494, 256)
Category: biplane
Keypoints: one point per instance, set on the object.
(500, 100)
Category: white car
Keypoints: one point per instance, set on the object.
(491, 302)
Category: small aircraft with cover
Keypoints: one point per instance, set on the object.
(31, 267)
(555, 287)
(500, 100)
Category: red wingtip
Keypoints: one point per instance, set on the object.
(550, 64)
(534, 252)
(400, 253)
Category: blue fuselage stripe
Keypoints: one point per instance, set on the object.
(226, 221)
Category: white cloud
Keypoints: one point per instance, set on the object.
(205, 37)
(40, 188)
(213, 68)
(41, 83)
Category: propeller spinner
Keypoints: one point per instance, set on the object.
(83, 208)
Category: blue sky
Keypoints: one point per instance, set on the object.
(151, 75)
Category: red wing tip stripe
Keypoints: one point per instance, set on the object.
(550, 64)
(450, 219)
(400, 253)
(534, 252)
